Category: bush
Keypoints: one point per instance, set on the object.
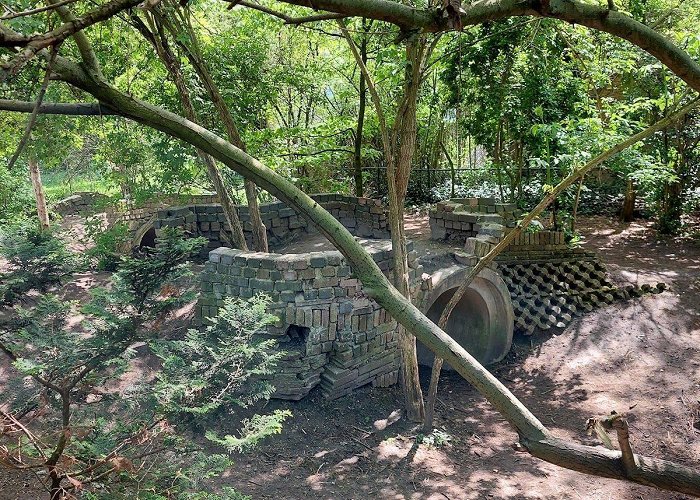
(109, 244)
(37, 260)
(104, 439)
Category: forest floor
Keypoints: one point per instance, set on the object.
(641, 357)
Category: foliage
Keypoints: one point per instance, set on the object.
(37, 259)
(106, 443)
(143, 277)
(209, 369)
(15, 195)
(109, 244)
(436, 439)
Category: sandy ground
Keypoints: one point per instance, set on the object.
(640, 357)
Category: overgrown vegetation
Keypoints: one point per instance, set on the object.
(37, 259)
(410, 101)
(84, 417)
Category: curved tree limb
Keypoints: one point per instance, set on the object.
(81, 40)
(36, 10)
(34, 43)
(57, 108)
(572, 11)
(533, 435)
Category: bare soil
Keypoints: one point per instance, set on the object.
(640, 357)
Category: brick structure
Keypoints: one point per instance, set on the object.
(333, 334)
(363, 217)
(549, 282)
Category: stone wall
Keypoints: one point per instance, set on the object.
(333, 334)
(82, 203)
(460, 218)
(364, 217)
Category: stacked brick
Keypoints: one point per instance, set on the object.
(332, 333)
(549, 289)
(83, 203)
(461, 218)
(549, 282)
(363, 217)
(136, 217)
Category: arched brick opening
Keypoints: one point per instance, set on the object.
(148, 239)
(482, 321)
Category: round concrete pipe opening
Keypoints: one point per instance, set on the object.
(482, 321)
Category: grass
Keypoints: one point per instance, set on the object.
(58, 185)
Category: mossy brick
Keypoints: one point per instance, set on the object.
(300, 264)
(318, 261)
(306, 274)
(249, 272)
(262, 284)
(308, 317)
(294, 286)
(325, 293)
(288, 296)
(325, 282)
(329, 271)
(311, 294)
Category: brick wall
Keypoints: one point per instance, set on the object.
(363, 217)
(334, 335)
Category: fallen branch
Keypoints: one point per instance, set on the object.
(57, 108)
(38, 10)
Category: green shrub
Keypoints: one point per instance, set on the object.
(37, 259)
(130, 444)
(109, 244)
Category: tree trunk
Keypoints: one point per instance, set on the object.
(357, 158)
(157, 37)
(404, 143)
(627, 212)
(194, 55)
(39, 196)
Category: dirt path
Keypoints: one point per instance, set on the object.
(640, 356)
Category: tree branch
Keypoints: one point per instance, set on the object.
(57, 108)
(287, 19)
(35, 111)
(38, 10)
(34, 43)
(572, 11)
(81, 40)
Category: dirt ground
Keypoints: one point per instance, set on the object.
(640, 357)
